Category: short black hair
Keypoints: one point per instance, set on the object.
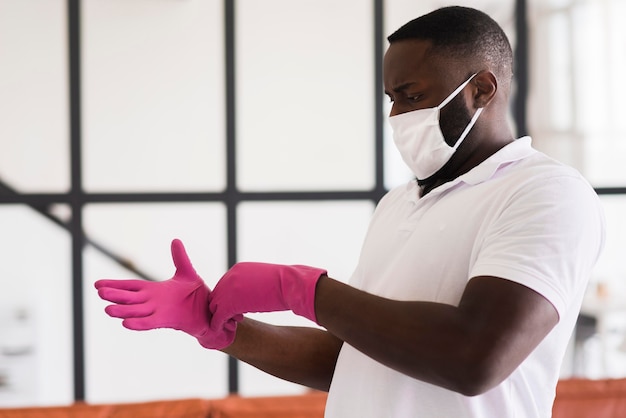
(463, 33)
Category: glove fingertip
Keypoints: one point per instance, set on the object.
(182, 261)
(98, 284)
(128, 325)
(104, 293)
(109, 310)
(135, 324)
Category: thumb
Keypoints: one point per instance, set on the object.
(181, 260)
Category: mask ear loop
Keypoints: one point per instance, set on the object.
(472, 121)
(455, 92)
(467, 128)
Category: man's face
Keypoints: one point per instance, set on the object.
(415, 78)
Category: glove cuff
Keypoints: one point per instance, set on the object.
(300, 293)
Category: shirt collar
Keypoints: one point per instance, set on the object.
(515, 151)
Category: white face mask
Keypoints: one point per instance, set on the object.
(419, 139)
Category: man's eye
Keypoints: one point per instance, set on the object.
(415, 98)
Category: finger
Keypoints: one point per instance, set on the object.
(121, 296)
(231, 325)
(140, 324)
(132, 284)
(219, 321)
(221, 306)
(129, 311)
(181, 260)
(216, 324)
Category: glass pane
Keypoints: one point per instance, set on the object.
(36, 366)
(153, 95)
(124, 365)
(599, 30)
(322, 234)
(305, 96)
(571, 118)
(610, 268)
(603, 355)
(34, 130)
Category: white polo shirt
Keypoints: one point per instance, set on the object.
(519, 215)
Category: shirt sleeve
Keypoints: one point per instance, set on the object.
(548, 238)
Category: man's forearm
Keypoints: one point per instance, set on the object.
(467, 348)
(302, 355)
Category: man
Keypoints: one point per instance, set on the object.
(470, 278)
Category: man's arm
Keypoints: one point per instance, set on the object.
(298, 354)
(468, 349)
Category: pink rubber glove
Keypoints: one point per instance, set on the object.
(181, 303)
(261, 287)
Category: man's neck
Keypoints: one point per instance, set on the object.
(456, 167)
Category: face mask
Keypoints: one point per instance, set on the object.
(418, 137)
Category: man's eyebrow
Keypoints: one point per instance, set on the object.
(401, 87)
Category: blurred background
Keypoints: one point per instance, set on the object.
(251, 130)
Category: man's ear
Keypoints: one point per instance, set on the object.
(485, 87)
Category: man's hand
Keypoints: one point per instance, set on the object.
(261, 287)
(181, 303)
